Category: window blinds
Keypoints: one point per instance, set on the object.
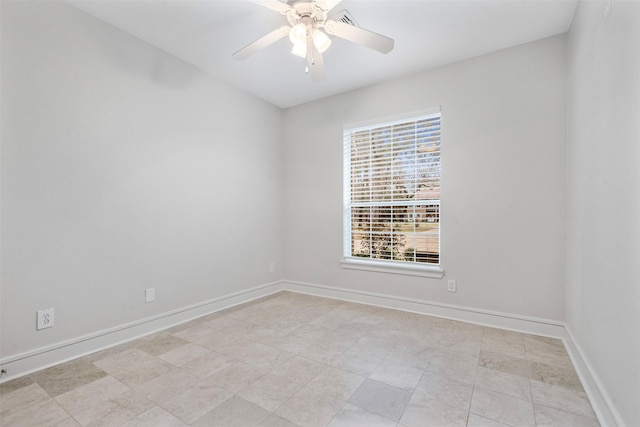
(392, 190)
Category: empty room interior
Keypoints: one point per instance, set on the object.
(320, 213)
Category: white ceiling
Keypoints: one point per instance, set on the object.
(427, 34)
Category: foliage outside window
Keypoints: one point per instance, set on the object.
(392, 191)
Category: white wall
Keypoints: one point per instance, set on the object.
(124, 168)
(603, 247)
(503, 181)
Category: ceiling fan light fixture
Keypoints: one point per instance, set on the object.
(298, 33)
(321, 40)
(299, 49)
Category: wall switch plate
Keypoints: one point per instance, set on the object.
(451, 286)
(149, 294)
(44, 319)
(272, 267)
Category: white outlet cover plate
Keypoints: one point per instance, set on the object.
(45, 319)
(150, 294)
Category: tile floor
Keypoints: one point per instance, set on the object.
(298, 360)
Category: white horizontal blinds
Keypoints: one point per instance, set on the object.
(394, 202)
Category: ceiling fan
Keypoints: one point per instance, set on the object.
(309, 24)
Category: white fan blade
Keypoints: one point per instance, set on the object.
(315, 62)
(327, 5)
(276, 5)
(262, 42)
(359, 35)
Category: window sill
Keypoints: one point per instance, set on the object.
(434, 271)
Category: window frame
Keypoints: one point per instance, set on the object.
(348, 261)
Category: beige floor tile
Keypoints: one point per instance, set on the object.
(355, 335)
(460, 341)
(546, 350)
(62, 378)
(196, 401)
(168, 385)
(475, 420)
(471, 328)
(500, 407)
(504, 363)
(240, 348)
(112, 351)
(267, 357)
(548, 353)
(322, 352)
(299, 369)
(504, 346)
(237, 377)
(540, 340)
(270, 391)
(195, 332)
(263, 334)
(313, 332)
(274, 420)
(220, 322)
(134, 367)
(160, 344)
(291, 343)
(155, 417)
(116, 411)
(445, 390)
(13, 385)
(45, 414)
(310, 408)
(565, 399)
(353, 361)
(397, 375)
(550, 417)
(337, 383)
(353, 416)
(503, 334)
(513, 385)
(332, 320)
(416, 359)
(564, 376)
(207, 365)
(453, 365)
(381, 399)
(182, 355)
(433, 413)
(69, 422)
(378, 348)
(235, 412)
(90, 395)
(240, 329)
(285, 324)
(214, 340)
(23, 398)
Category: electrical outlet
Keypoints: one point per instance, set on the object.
(149, 294)
(45, 319)
(451, 286)
(272, 267)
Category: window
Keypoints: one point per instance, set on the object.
(392, 195)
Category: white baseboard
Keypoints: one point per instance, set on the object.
(44, 357)
(598, 396)
(530, 325)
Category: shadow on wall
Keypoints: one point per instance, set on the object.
(125, 51)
